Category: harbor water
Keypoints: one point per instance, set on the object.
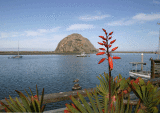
(56, 73)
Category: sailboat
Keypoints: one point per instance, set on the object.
(17, 56)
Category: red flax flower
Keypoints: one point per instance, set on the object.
(110, 33)
(101, 48)
(100, 53)
(114, 48)
(115, 57)
(110, 63)
(109, 46)
(101, 60)
(110, 37)
(112, 41)
(100, 43)
(104, 31)
(104, 42)
(102, 37)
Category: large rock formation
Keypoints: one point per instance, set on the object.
(75, 43)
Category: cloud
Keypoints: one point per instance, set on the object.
(153, 33)
(122, 22)
(92, 18)
(37, 32)
(10, 34)
(139, 18)
(156, 2)
(41, 31)
(79, 27)
(146, 17)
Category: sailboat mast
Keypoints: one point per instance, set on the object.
(159, 42)
(18, 47)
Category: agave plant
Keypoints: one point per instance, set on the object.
(148, 95)
(99, 99)
(33, 104)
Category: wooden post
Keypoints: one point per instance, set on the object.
(142, 61)
(152, 68)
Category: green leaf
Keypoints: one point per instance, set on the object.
(80, 107)
(92, 103)
(42, 96)
(15, 104)
(127, 110)
(72, 109)
(33, 104)
(138, 103)
(24, 100)
(9, 109)
(106, 104)
(97, 101)
(37, 92)
(20, 105)
(28, 94)
(84, 102)
(10, 105)
(31, 91)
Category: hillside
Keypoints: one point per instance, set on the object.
(75, 43)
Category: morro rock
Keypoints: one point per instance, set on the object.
(75, 43)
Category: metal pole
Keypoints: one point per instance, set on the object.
(142, 61)
(159, 42)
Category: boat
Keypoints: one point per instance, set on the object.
(82, 55)
(135, 73)
(17, 56)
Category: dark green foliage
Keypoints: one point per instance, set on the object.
(28, 105)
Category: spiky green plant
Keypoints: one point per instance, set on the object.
(99, 98)
(147, 93)
(28, 105)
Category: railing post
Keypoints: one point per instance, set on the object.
(152, 68)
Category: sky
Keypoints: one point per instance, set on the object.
(39, 25)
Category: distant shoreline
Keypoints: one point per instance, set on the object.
(52, 52)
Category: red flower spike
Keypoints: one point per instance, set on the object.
(112, 41)
(115, 57)
(106, 45)
(104, 42)
(109, 46)
(110, 37)
(110, 33)
(101, 60)
(100, 53)
(110, 63)
(104, 30)
(100, 43)
(101, 37)
(114, 48)
(101, 48)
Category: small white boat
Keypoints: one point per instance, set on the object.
(139, 73)
(82, 55)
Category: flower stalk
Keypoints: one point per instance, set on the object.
(110, 62)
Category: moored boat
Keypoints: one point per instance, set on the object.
(82, 55)
(135, 73)
(17, 56)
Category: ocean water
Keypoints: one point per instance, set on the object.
(55, 73)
